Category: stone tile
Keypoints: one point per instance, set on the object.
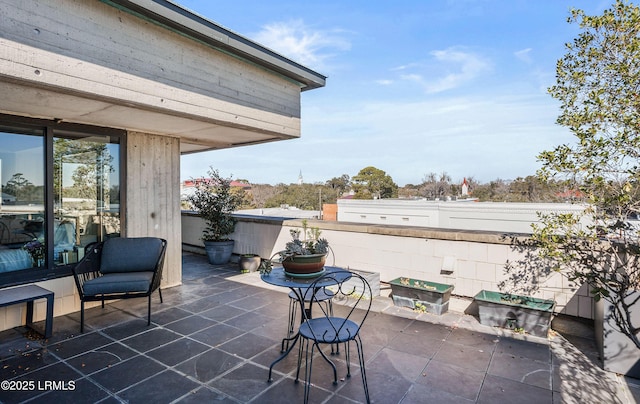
(500, 390)
(217, 334)
(203, 304)
(482, 341)
(128, 329)
(465, 356)
(427, 330)
(191, 324)
(206, 395)
(208, 365)
(58, 372)
(524, 349)
(177, 351)
(170, 315)
(101, 358)
(415, 344)
(91, 393)
(25, 362)
(248, 345)
(161, 388)
(242, 383)
(423, 394)
(127, 373)
(383, 387)
(287, 391)
(521, 369)
(151, 339)
(246, 321)
(222, 313)
(80, 344)
(400, 364)
(387, 321)
(255, 301)
(455, 380)
(98, 318)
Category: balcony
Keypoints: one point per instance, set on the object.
(214, 337)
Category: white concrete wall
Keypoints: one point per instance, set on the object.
(489, 216)
(476, 259)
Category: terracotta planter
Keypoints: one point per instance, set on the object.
(304, 265)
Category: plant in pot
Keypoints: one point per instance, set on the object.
(215, 200)
(304, 257)
(249, 262)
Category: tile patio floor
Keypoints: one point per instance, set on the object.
(214, 337)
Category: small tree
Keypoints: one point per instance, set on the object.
(215, 200)
(597, 84)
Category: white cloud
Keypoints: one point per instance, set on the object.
(524, 55)
(302, 43)
(464, 66)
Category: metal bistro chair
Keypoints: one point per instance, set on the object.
(322, 296)
(355, 293)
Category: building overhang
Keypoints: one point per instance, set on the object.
(175, 17)
(148, 66)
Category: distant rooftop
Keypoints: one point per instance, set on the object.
(287, 212)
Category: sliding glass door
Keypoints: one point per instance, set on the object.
(60, 192)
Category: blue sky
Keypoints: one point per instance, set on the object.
(413, 87)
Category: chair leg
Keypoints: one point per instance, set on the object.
(363, 372)
(81, 316)
(149, 311)
(160, 292)
(308, 366)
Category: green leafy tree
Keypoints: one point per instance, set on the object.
(373, 183)
(597, 85)
(339, 185)
(302, 196)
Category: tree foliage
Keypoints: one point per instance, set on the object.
(373, 183)
(215, 200)
(597, 85)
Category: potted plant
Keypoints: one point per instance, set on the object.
(249, 262)
(304, 257)
(215, 200)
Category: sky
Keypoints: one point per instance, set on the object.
(413, 86)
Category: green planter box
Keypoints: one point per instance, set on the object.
(408, 292)
(515, 312)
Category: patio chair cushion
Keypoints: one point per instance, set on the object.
(119, 283)
(130, 255)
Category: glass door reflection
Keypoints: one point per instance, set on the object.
(86, 195)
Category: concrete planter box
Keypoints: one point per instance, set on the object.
(373, 278)
(432, 296)
(515, 312)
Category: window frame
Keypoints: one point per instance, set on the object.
(51, 129)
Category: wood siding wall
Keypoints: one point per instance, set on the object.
(153, 196)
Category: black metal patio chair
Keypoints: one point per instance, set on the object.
(120, 268)
(328, 329)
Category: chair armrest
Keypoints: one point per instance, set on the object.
(89, 266)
